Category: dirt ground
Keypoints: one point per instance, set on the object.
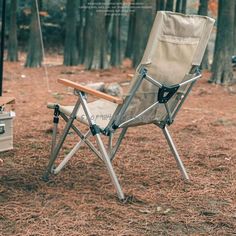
(81, 199)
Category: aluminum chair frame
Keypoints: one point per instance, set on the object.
(108, 154)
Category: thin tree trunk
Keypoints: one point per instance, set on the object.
(34, 55)
(222, 66)
(162, 5)
(115, 38)
(110, 14)
(89, 38)
(40, 2)
(216, 44)
(12, 54)
(169, 5)
(71, 50)
(129, 46)
(143, 23)
(178, 6)
(158, 3)
(96, 39)
(235, 30)
(203, 10)
(184, 6)
(81, 31)
(203, 7)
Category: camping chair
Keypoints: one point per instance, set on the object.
(162, 82)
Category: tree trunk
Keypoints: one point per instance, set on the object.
(158, 4)
(81, 31)
(12, 54)
(235, 30)
(203, 7)
(203, 10)
(96, 39)
(143, 23)
(222, 66)
(40, 2)
(169, 5)
(34, 55)
(71, 50)
(162, 5)
(178, 6)
(129, 46)
(115, 38)
(110, 10)
(184, 6)
(88, 56)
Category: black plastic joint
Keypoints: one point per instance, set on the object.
(198, 71)
(55, 119)
(106, 132)
(169, 122)
(57, 110)
(56, 114)
(165, 93)
(95, 129)
(143, 72)
(114, 126)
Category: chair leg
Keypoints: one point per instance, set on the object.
(61, 141)
(55, 127)
(74, 150)
(54, 137)
(56, 150)
(109, 166)
(175, 153)
(67, 157)
(101, 147)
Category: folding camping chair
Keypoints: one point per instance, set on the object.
(162, 82)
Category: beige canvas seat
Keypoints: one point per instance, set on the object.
(101, 110)
(162, 82)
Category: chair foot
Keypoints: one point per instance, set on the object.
(130, 199)
(45, 176)
(175, 153)
(127, 199)
(187, 180)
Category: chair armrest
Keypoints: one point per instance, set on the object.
(90, 91)
(6, 100)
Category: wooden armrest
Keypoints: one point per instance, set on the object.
(6, 100)
(90, 91)
(130, 76)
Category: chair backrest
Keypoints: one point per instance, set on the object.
(176, 43)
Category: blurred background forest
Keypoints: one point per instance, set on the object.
(102, 33)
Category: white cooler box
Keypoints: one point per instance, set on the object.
(6, 130)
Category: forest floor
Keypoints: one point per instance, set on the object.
(81, 199)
